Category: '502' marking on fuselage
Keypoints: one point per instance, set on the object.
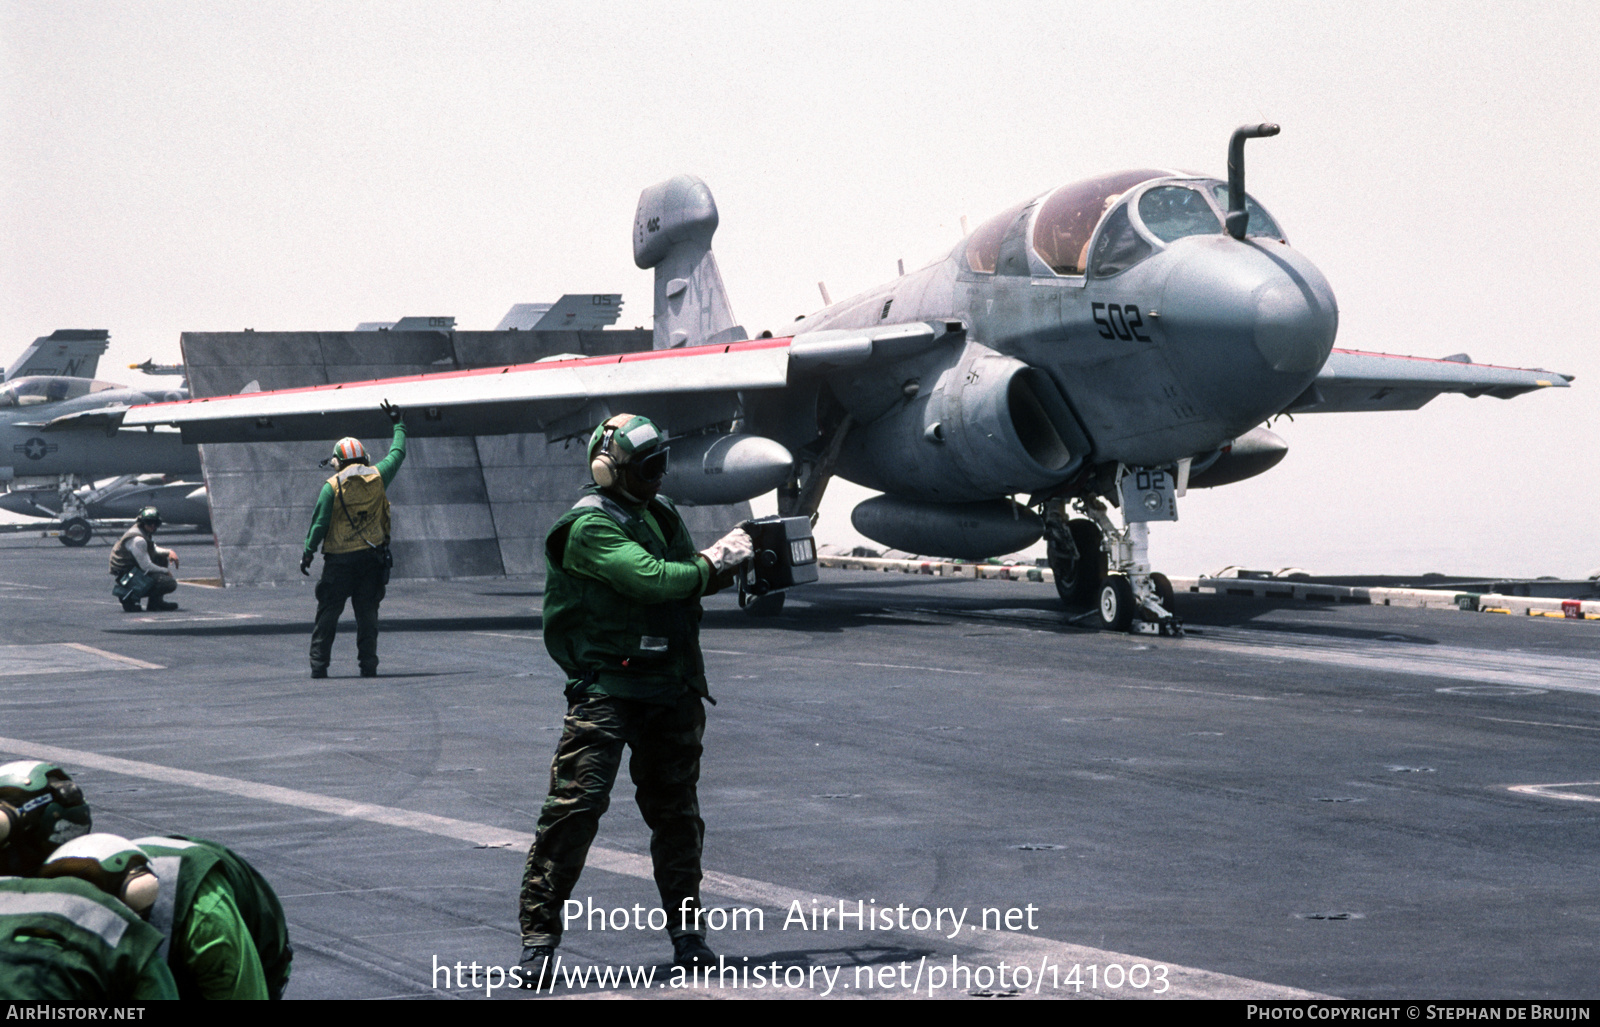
(1119, 321)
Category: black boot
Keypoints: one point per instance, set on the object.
(536, 969)
(158, 603)
(692, 950)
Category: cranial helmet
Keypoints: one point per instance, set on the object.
(627, 440)
(349, 451)
(149, 515)
(111, 863)
(40, 809)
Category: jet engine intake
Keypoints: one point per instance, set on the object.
(965, 531)
(991, 426)
(709, 470)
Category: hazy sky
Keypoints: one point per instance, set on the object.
(185, 166)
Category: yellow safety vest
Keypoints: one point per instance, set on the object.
(360, 517)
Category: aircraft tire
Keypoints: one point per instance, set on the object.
(1116, 603)
(76, 532)
(1163, 586)
(1078, 580)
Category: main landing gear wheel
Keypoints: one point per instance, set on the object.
(76, 532)
(1116, 603)
(1078, 579)
(1163, 587)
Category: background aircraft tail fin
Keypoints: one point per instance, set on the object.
(574, 312)
(74, 352)
(672, 233)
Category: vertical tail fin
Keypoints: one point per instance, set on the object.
(672, 233)
(74, 352)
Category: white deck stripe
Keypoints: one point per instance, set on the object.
(1550, 791)
(1526, 669)
(1187, 982)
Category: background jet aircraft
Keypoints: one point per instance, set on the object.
(180, 501)
(59, 427)
(1107, 344)
(573, 312)
(73, 352)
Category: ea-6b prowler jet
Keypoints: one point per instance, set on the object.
(1108, 344)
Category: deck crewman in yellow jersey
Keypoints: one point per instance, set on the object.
(351, 523)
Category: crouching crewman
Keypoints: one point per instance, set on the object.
(76, 933)
(140, 568)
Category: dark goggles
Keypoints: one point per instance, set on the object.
(652, 468)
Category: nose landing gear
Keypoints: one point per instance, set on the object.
(1106, 568)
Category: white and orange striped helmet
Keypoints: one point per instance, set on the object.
(349, 451)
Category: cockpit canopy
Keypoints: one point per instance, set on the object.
(1137, 213)
(39, 389)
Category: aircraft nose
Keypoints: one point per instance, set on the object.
(1249, 324)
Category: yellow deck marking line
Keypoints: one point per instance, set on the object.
(130, 661)
(1187, 982)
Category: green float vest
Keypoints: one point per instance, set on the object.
(64, 940)
(193, 859)
(603, 639)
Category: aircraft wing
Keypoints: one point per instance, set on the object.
(1352, 380)
(556, 396)
(99, 417)
(684, 388)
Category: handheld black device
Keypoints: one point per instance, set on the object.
(785, 556)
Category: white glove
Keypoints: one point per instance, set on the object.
(730, 550)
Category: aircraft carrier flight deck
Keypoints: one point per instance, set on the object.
(1294, 799)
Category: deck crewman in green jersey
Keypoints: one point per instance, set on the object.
(76, 934)
(41, 808)
(351, 524)
(621, 618)
(227, 937)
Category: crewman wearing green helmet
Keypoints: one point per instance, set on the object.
(621, 618)
(140, 568)
(41, 809)
(76, 932)
(224, 930)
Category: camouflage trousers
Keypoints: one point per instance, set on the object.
(665, 767)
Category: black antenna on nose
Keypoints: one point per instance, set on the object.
(1239, 218)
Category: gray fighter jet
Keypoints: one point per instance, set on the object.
(1106, 345)
(60, 430)
(120, 498)
(58, 425)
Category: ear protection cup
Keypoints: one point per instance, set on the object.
(111, 863)
(623, 441)
(604, 466)
(139, 891)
